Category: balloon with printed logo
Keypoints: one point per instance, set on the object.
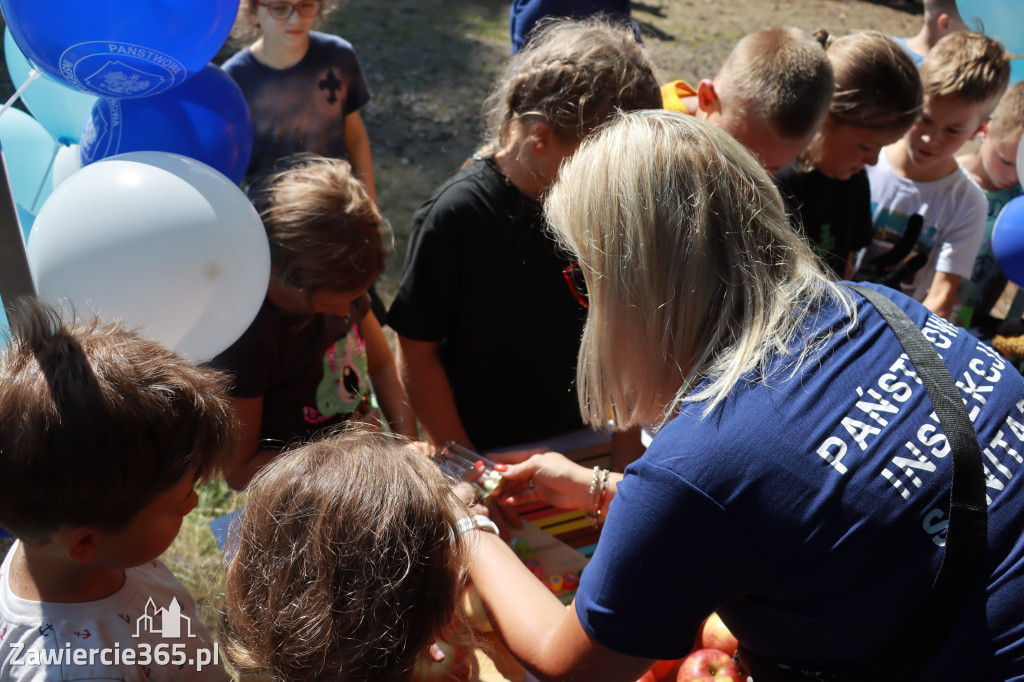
(1008, 240)
(206, 118)
(112, 48)
(161, 241)
(1000, 19)
(60, 109)
(29, 151)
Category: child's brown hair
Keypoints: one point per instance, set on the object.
(326, 233)
(1008, 118)
(781, 75)
(877, 83)
(968, 66)
(348, 564)
(573, 75)
(96, 421)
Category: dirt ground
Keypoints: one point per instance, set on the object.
(430, 63)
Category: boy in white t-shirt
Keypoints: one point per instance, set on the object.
(964, 76)
(102, 437)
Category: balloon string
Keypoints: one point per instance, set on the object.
(33, 74)
(46, 175)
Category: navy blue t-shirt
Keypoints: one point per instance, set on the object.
(301, 108)
(808, 510)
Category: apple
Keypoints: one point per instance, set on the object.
(709, 665)
(714, 635)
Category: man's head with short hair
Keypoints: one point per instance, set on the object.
(96, 422)
(968, 66)
(772, 93)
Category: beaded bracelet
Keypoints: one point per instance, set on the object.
(600, 502)
(597, 495)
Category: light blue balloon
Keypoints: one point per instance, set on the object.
(60, 109)
(1016, 70)
(29, 151)
(999, 19)
(4, 333)
(25, 219)
(113, 48)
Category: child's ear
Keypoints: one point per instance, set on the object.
(982, 130)
(539, 137)
(707, 98)
(79, 543)
(947, 23)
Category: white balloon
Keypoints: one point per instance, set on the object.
(163, 242)
(67, 160)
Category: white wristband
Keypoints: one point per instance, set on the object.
(480, 521)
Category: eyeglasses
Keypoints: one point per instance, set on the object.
(573, 275)
(283, 10)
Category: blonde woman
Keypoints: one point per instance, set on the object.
(799, 482)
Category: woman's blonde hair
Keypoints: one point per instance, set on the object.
(692, 267)
(572, 75)
(348, 563)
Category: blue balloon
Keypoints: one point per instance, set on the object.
(112, 48)
(61, 110)
(29, 152)
(1008, 240)
(1000, 19)
(206, 119)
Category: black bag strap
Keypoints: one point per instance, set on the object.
(967, 533)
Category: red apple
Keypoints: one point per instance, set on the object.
(714, 635)
(709, 665)
(662, 669)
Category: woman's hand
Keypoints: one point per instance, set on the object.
(549, 477)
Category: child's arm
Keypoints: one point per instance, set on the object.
(941, 296)
(247, 457)
(393, 400)
(357, 142)
(419, 363)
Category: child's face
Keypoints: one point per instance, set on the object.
(290, 32)
(944, 125)
(293, 299)
(151, 531)
(840, 151)
(772, 149)
(999, 160)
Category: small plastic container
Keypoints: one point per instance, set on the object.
(459, 462)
